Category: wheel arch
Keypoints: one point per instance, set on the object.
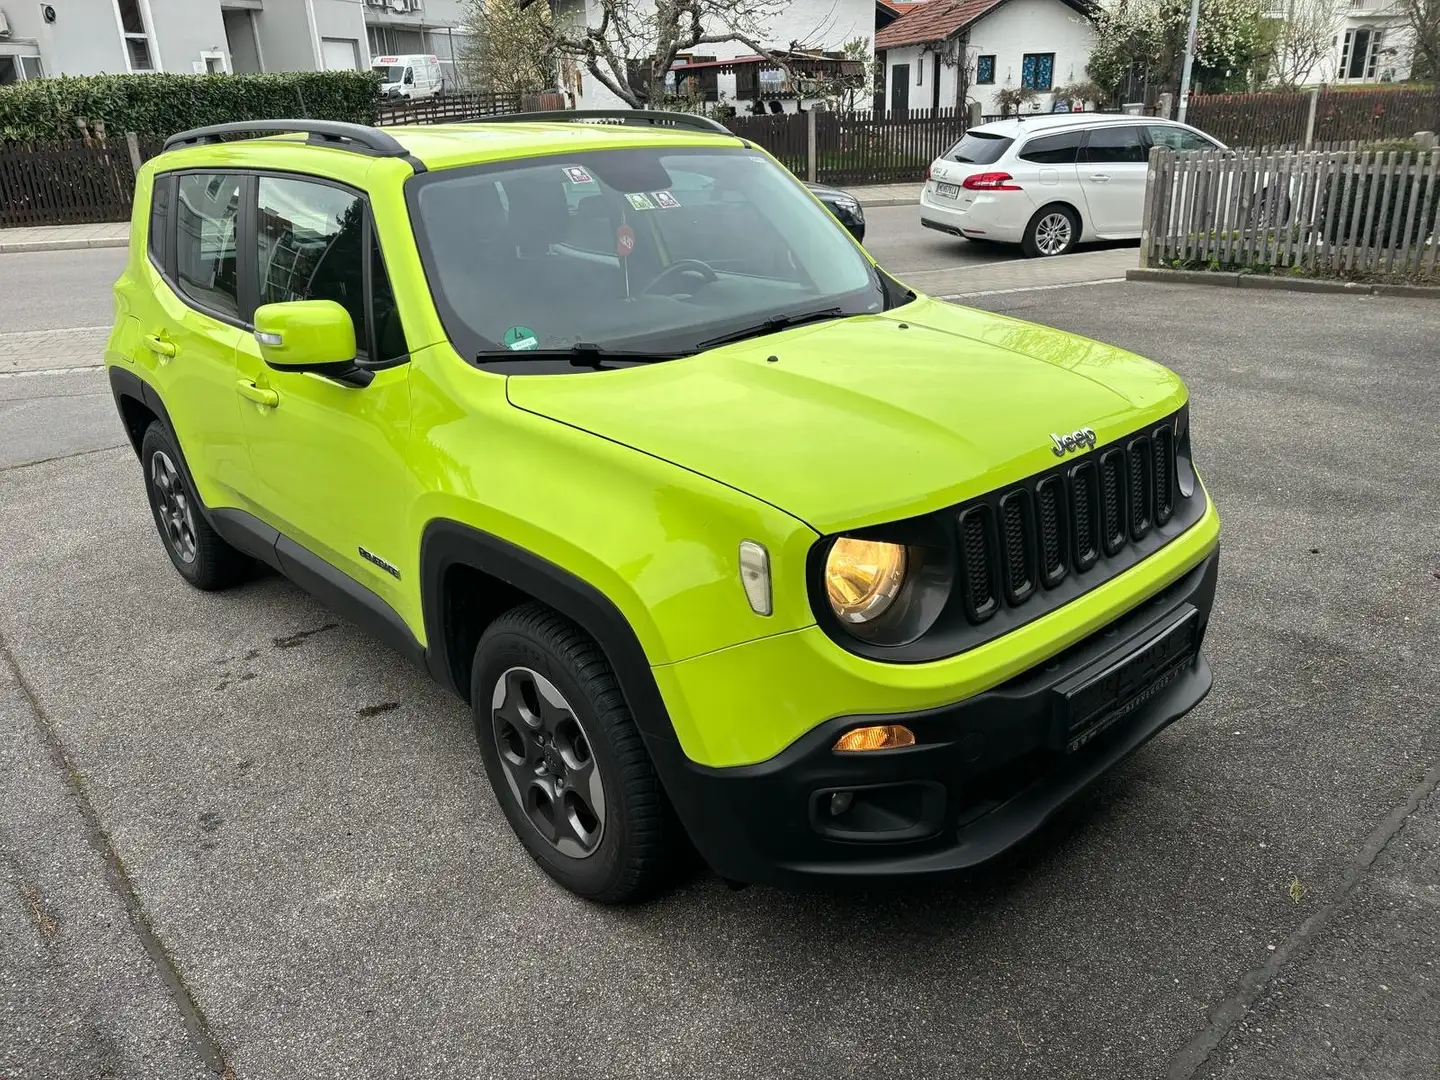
(1064, 204)
(469, 577)
(138, 404)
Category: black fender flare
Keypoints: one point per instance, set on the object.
(446, 543)
(126, 384)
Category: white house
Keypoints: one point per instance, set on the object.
(1005, 44)
(1372, 42)
(729, 71)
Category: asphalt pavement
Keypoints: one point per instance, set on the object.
(236, 833)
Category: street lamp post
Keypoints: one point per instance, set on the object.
(1189, 60)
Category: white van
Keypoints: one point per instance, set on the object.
(412, 76)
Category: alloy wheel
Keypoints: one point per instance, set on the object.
(177, 518)
(1052, 234)
(549, 767)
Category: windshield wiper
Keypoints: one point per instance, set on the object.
(582, 354)
(774, 324)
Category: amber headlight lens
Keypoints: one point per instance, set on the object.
(863, 577)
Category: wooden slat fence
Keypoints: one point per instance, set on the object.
(1353, 213)
(455, 108)
(67, 183)
(783, 135)
(866, 148)
(1278, 118)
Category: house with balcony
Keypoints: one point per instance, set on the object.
(941, 54)
(808, 34)
(91, 37)
(1372, 43)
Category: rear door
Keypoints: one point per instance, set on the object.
(190, 321)
(1112, 176)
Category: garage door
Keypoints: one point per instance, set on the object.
(340, 54)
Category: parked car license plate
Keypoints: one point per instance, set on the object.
(1094, 700)
(947, 191)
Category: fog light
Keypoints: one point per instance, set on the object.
(840, 802)
(877, 737)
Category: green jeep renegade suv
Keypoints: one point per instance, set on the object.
(722, 532)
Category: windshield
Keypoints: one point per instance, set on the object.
(979, 148)
(394, 73)
(657, 250)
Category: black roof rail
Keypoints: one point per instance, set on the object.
(653, 117)
(342, 136)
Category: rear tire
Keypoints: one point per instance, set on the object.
(1054, 230)
(199, 554)
(566, 760)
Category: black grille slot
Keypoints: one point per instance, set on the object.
(1019, 533)
(1112, 500)
(977, 543)
(1142, 487)
(1164, 457)
(1050, 507)
(1085, 501)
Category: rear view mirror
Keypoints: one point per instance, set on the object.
(305, 335)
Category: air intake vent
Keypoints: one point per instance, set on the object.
(1113, 498)
(1164, 447)
(1019, 532)
(1142, 488)
(977, 563)
(1054, 538)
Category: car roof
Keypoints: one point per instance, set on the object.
(1015, 127)
(444, 146)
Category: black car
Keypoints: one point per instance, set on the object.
(844, 206)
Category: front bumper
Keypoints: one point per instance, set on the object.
(984, 773)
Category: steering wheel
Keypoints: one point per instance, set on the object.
(683, 266)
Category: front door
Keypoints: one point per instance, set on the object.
(1112, 176)
(899, 88)
(328, 456)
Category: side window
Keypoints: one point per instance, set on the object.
(160, 198)
(1177, 138)
(207, 211)
(1053, 149)
(311, 247)
(1112, 145)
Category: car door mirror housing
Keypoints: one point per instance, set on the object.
(306, 335)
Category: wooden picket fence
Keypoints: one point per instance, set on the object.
(79, 182)
(1352, 214)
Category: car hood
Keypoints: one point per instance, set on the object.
(871, 418)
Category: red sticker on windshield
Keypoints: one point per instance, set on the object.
(624, 240)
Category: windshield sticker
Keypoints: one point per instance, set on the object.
(638, 200)
(521, 337)
(577, 175)
(665, 200)
(624, 241)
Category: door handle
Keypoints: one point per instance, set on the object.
(1100, 178)
(258, 394)
(159, 346)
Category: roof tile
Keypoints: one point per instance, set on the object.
(932, 21)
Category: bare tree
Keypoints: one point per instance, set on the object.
(633, 45)
(513, 46)
(1422, 20)
(1303, 37)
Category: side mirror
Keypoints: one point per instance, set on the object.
(306, 335)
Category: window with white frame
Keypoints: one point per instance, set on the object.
(139, 47)
(15, 69)
(1361, 55)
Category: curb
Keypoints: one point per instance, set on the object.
(13, 246)
(867, 203)
(1280, 284)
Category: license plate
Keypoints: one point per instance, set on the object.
(1093, 701)
(947, 191)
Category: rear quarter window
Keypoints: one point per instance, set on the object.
(161, 196)
(979, 148)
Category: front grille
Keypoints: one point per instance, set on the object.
(1029, 538)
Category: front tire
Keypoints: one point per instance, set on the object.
(197, 551)
(566, 760)
(1054, 230)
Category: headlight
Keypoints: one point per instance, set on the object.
(863, 577)
(848, 204)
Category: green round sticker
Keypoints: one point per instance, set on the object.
(521, 337)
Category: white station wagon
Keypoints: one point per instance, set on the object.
(1049, 181)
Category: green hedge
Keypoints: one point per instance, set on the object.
(160, 105)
